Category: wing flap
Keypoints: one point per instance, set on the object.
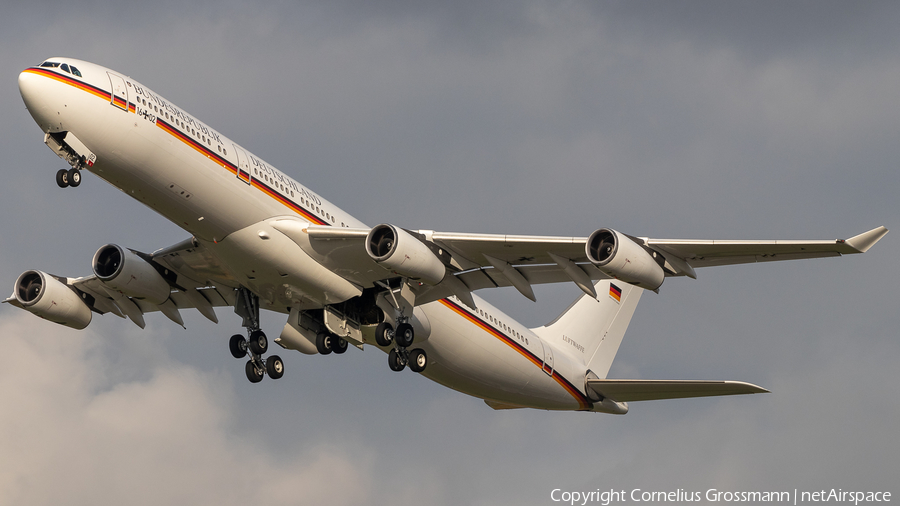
(513, 249)
(630, 390)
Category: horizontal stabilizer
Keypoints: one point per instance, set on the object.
(629, 390)
(501, 405)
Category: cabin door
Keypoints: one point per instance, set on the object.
(548, 358)
(119, 95)
(243, 169)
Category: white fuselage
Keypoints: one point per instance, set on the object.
(222, 194)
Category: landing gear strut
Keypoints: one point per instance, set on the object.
(247, 306)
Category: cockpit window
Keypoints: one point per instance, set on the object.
(65, 67)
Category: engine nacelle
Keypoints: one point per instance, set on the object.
(124, 271)
(43, 295)
(397, 250)
(619, 256)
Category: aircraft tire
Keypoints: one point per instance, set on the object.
(384, 334)
(324, 343)
(404, 335)
(62, 178)
(253, 374)
(338, 344)
(238, 346)
(258, 342)
(275, 367)
(74, 177)
(418, 360)
(395, 361)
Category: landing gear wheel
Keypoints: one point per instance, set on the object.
(274, 367)
(324, 343)
(74, 177)
(384, 334)
(238, 346)
(417, 360)
(258, 342)
(338, 344)
(396, 361)
(62, 178)
(254, 374)
(404, 335)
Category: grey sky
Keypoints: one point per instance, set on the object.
(694, 120)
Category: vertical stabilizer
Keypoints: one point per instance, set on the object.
(592, 329)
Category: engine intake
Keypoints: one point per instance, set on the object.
(43, 295)
(404, 254)
(617, 255)
(126, 272)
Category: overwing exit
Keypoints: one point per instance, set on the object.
(260, 240)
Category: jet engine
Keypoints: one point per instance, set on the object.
(126, 272)
(617, 255)
(43, 295)
(404, 254)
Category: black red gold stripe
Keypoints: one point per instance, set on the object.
(178, 134)
(71, 81)
(583, 402)
(230, 167)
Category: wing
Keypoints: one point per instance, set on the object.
(709, 253)
(479, 261)
(195, 281)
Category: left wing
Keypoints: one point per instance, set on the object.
(458, 262)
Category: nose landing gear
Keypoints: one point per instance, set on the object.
(66, 178)
(72, 151)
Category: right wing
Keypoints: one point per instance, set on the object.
(194, 278)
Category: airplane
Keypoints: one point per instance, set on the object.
(260, 240)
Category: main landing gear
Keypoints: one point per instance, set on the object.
(326, 342)
(70, 177)
(256, 344)
(399, 356)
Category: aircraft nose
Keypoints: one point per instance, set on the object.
(27, 87)
(30, 86)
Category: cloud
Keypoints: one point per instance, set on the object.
(72, 436)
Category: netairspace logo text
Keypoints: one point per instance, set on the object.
(611, 496)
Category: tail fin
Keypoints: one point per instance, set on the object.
(593, 328)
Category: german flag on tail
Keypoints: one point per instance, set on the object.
(615, 292)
